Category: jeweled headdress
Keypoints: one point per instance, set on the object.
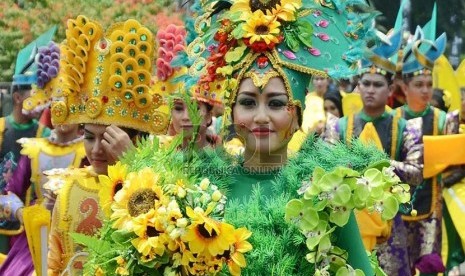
(424, 49)
(291, 39)
(108, 77)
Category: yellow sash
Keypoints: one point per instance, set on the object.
(372, 227)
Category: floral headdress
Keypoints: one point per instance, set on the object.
(108, 77)
(265, 39)
(423, 50)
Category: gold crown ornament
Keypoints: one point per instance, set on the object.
(108, 76)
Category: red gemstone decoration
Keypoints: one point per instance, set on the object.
(105, 99)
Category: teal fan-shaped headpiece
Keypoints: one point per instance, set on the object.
(378, 58)
(26, 67)
(424, 49)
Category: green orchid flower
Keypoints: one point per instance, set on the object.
(388, 206)
(302, 214)
(349, 271)
(331, 187)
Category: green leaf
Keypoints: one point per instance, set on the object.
(122, 236)
(92, 243)
(238, 31)
(291, 41)
(305, 38)
(235, 54)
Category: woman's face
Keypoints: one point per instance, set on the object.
(95, 152)
(263, 118)
(180, 121)
(331, 108)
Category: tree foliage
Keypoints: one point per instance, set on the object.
(21, 21)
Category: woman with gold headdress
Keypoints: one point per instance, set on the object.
(107, 90)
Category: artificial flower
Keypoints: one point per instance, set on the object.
(111, 184)
(282, 9)
(140, 193)
(235, 255)
(285, 10)
(206, 235)
(262, 28)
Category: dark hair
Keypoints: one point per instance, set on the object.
(336, 98)
(438, 96)
(388, 76)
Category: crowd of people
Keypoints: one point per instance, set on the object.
(260, 138)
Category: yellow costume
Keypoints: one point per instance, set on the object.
(106, 79)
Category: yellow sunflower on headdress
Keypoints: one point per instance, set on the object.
(206, 235)
(282, 9)
(262, 28)
(110, 185)
(140, 194)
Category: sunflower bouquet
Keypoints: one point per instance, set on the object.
(163, 224)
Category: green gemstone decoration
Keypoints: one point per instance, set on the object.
(135, 114)
(100, 69)
(132, 30)
(141, 62)
(96, 92)
(143, 37)
(128, 95)
(143, 48)
(130, 81)
(118, 84)
(124, 112)
(143, 101)
(140, 90)
(129, 68)
(120, 60)
(118, 72)
(141, 77)
(133, 42)
(72, 109)
(118, 102)
(91, 31)
(146, 117)
(100, 58)
(119, 49)
(120, 38)
(132, 53)
(196, 49)
(110, 111)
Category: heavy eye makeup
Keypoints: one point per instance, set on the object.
(274, 100)
(88, 135)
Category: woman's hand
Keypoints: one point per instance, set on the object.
(115, 142)
(9, 206)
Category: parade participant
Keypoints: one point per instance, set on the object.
(424, 229)
(395, 136)
(264, 77)
(108, 91)
(333, 104)
(18, 125)
(64, 148)
(174, 93)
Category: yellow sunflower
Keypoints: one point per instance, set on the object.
(282, 9)
(140, 194)
(151, 235)
(285, 10)
(206, 235)
(234, 256)
(261, 27)
(110, 185)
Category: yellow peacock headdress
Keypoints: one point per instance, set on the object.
(108, 76)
